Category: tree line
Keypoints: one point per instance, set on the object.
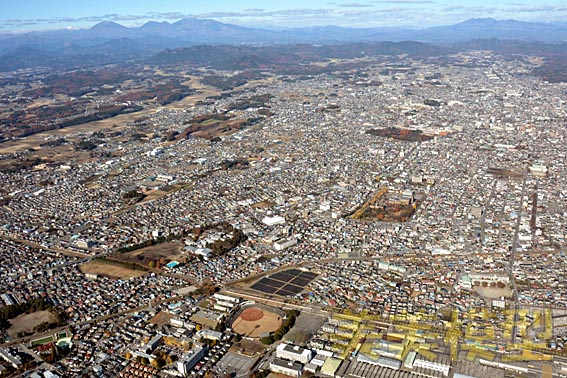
(218, 247)
(12, 311)
(287, 324)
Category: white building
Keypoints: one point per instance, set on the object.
(165, 178)
(282, 244)
(294, 353)
(410, 359)
(177, 322)
(8, 299)
(382, 265)
(500, 303)
(206, 253)
(84, 244)
(154, 152)
(386, 362)
(187, 361)
(13, 360)
(226, 298)
(200, 161)
(538, 169)
(319, 360)
(209, 334)
(227, 306)
(490, 277)
(466, 282)
(416, 179)
(293, 369)
(220, 307)
(325, 206)
(440, 251)
(273, 221)
(408, 196)
(443, 368)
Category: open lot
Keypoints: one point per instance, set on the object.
(27, 322)
(248, 347)
(161, 318)
(493, 292)
(237, 363)
(305, 326)
(168, 251)
(109, 270)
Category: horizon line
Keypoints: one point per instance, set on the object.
(266, 27)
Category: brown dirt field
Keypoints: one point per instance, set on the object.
(262, 205)
(40, 102)
(26, 322)
(201, 95)
(251, 347)
(277, 375)
(153, 195)
(161, 318)
(109, 270)
(252, 314)
(170, 251)
(493, 292)
(546, 371)
(268, 323)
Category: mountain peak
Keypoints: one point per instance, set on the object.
(156, 27)
(193, 20)
(108, 25)
(198, 22)
(493, 22)
(480, 21)
(154, 23)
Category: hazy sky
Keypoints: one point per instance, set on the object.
(27, 15)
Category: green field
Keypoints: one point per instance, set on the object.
(43, 340)
(210, 122)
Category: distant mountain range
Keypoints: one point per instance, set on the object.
(109, 42)
(287, 58)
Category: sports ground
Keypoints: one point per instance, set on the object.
(254, 322)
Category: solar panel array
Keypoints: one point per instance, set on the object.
(286, 283)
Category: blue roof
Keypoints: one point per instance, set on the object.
(172, 264)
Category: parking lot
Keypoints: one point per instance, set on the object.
(236, 363)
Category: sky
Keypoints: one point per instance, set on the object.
(28, 15)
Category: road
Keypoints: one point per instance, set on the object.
(483, 214)
(65, 252)
(513, 252)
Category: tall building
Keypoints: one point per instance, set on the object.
(189, 360)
